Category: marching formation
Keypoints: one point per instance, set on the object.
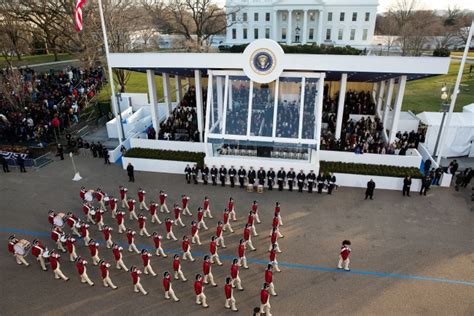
(94, 216)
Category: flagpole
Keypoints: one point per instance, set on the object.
(111, 75)
(454, 96)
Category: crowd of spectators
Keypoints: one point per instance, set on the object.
(51, 101)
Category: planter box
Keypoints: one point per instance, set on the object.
(156, 165)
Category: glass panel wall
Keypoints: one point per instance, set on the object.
(263, 104)
(215, 125)
(289, 101)
(309, 109)
(238, 103)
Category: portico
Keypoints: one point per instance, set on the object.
(298, 25)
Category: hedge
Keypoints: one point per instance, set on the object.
(147, 153)
(373, 170)
(305, 49)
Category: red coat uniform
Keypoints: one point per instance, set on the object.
(194, 229)
(250, 219)
(200, 215)
(123, 191)
(71, 221)
(104, 271)
(119, 218)
(166, 283)
(36, 250)
(51, 219)
(254, 208)
(168, 225)
(11, 247)
(198, 287)
(275, 222)
(82, 194)
(206, 267)
(141, 195)
(205, 204)
(185, 245)
(106, 233)
(184, 201)
(55, 234)
(83, 230)
(98, 216)
(241, 251)
(99, 196)
(141, 222)
(117, 253)
(268, 276)
(230, 206)
(219, 231)
(157, 242)
(277, 210)
(135, 277)
(152, 208)
(85, 209)
(246, 233)
(130, 237)
(272, 255)
(213, 247)
(177, 212)
(112, 203)
(226, 218)
(345, 252)
(70, 245)
(264, 296)
(93, 249)
(80, 267)
(274, 237)
(54, 262)
(146, 259)
(131, 205)
(162, 198)
(234, 271)
(228, 291)
(176, 264)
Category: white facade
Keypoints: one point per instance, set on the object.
(293, 22)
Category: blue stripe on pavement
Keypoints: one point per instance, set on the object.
(281, 264)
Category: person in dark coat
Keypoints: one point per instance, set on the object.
(406, 185)
(222, 175)
(105, 154)
(300, 178)
(311, 177)
(187, 173)
(468, 174)
(369, 192)
(130, 172)
(252, 175)
(281, 175)
(261, 176)
(427, 167)
(425, 185)
(232, 175)
(21, 163)
(214, 175)
(242, 173)
(94, 150)
(320, 180)
(100, 150)
(270, 178)
(4, 162)
(194, 173)
(205, 174)
(331, 178)
(291, 179)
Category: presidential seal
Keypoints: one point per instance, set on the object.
(263, 61)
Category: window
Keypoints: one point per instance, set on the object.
(367, 16)
(354, 16)
(311, 34)
(340, 34)
(234, 33)
(244, 16)
(255, 16)
(311, 16)
(267, 16)
(267, 33)
(283, 33)
(365, 32)
(244, 33)
(342, 16)
(233, 16)
(329, 16)
(328, 34)
(284, 16)
(255, 33)
(353, 34)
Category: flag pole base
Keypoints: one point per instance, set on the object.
(77, 177)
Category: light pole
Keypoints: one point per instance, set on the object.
(444, 108)
(77, 176)
(119, 98)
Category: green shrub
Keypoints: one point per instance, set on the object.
(372, 170)
(441, 52)
(147, 153)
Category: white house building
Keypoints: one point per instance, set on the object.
(292, 22)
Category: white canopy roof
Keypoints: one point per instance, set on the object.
(459, 119)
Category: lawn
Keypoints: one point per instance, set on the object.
(425, 95)
(470, 55)
(36, 59)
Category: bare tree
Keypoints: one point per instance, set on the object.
(14, 38)
(387, 26)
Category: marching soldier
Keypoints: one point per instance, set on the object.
(207, 211)
(234, 274)
(274, 238)
(51, 216)
(331, 182)
(320, 180)
(226, 221)
(117, 251)
(344, 255)
(291, 178)
(300, 178)
(86, 208)
(56, 266)
(163, 206)
(71, 248)
(20, 259)
(104, 272)
(82, 193)
(206, 269)
(71, 221)
(99, 195)
(213, 249)
(194, 173)
(82, 270)
(255, 211)
(231, 208)
(178, 273)
(169, 229)
(205, 174)
(184, 202)
(195, 233)
(169, 293)
(251, 224)
(265, 300)
(123, 195)
(107, 231)
(273, 261)
(269, 280)
(131, 209)
(242, 257)
(187, 173)
(277, 212)
(261, 176)
(281, 176)
(142, 226)
(247, 238)
(121, 226)
(214, 175)
(99, 218)
(270, 178)
(146, 262)
(229, 295)
(141, 199)
(219, 236)
(311, 177)
(131, 241)
(199, 290)
(177, 216)
(153, 210)
(113, 203)
(275, 226)
(37, 251)
(137, 286)
(84, 230)
(200, 218)
(232, 174)
(252, 175)
(56, 235)
(242, 174)
(222, 175)
(157, 241)
(94, 251)
(186, 246)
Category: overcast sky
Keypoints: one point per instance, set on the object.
(429, 4)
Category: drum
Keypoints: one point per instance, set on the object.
(22, 247)
(249, 187)
(89, 196)
(92, 212)
(106, 200)
(63, 238)
(59, 219)
(45, 254)
(260, 188)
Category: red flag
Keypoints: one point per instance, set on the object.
(78, 14)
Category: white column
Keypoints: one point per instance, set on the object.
(150, 76)
(166, 92)
(220, 97)
(226, 97)
(398, 108)
(179, 88)
(320, 26)
(275, 108)
(388, 102)
(275, 25)
(188, 83)
(300, 126)
(249, 114)
(199, 105)
(340, 105)
(380, 97)
(210, 95)
(289, 35)
(305, 26)
(319, 118)
(375, 90)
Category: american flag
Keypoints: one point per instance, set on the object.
(78, 14)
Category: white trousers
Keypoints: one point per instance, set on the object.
(277, 247)
(143, 205)
(120, 265)
(271, 288)
(179, 275)
(227, 225)
(233, 215)
(164, 208)
(124, 202)
(58, 274)
(73, 255)
(21, 260)
(108, 282)
(216, 257)
(243, 262)
(220, 241)
(170, 235)
(60, 245)
(132, 248)
(96, 259)
(265, 308)
(109, 243)
(195, 239)
(207, 213)
(133, 215)
(202, 224)
(102, 205)
(144, 231)
(40, 259)
(187, 254)
(254, 231)
(179, 221)
(257, 218)
(170, 294)
(139, 288)
(154, 218)
(114, 211)
(149, 269)
(121, 228)
(159, 251)
(85, 279)
(201, 299)
(248, 244)
(186, 211)
(230, 303)
(209, 278)
(237, 283)
(343, 262)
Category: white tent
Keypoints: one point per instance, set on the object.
(468, 108)
(460, 133)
